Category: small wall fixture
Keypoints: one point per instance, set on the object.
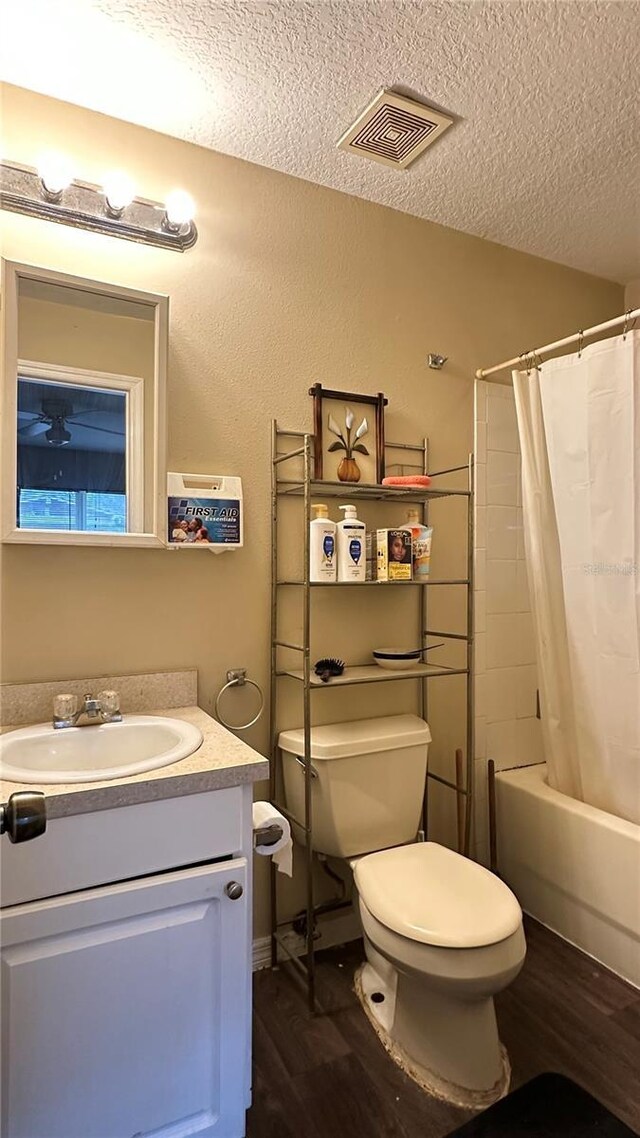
(52, 194)
(436, 362)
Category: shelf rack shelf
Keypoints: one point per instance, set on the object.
(378, 584)
(292, 487)
(372, 674)
(306, 488)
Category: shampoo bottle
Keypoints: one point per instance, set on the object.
(322, 546)
(352, 564)
(421, 545)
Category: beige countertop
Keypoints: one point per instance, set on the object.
(221, 761)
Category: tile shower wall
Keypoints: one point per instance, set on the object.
(506, 726)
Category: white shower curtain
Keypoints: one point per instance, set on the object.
(579, 424)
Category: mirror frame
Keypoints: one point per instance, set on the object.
(12, 273)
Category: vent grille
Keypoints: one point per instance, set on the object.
(394, 130)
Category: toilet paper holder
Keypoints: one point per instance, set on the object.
(267, 835)
(272, 836)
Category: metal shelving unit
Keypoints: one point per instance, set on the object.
(288, 448)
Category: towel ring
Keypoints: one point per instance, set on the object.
(238, 678)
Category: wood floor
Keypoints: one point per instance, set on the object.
(328, 1076)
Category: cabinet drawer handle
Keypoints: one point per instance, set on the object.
(24, 816)
(234, 890)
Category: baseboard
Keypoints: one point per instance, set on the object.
(261, 953)
(338, 928)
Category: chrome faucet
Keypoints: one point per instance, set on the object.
(103, 708)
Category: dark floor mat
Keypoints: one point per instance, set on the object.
(550, 1106)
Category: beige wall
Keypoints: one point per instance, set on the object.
(288, 284)
(56, 333)
(632, 294)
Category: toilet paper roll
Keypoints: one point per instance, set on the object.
(266, 814)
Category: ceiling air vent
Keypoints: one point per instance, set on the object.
(394, 130)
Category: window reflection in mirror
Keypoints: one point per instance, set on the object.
(72, 457)
(85, 392)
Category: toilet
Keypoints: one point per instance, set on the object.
(442, 934)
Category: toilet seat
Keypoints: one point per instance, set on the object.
(467, 971)
(429, 894)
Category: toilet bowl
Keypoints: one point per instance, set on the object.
(442, 936)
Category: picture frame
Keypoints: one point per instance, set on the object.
(340, 442)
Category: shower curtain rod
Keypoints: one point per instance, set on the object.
(629, 316)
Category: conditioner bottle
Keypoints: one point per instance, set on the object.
(322, 546)
(352, 552)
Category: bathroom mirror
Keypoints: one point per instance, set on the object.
(83, 410)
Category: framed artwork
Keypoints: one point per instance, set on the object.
(348, 433)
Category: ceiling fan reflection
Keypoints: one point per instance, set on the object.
(53, 421)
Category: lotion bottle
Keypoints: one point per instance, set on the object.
(322, 546)
(352, 557)
(420, 545)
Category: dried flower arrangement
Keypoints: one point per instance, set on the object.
(348, 470)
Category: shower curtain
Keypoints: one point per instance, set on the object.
(579, 425)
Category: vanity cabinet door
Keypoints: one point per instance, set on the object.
(125, 1009)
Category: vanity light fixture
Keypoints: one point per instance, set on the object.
(51, 193)
(180, 210)
(119, 192)
(56, 173)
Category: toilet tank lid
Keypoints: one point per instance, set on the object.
(359, 737)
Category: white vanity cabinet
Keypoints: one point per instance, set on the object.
(126, 995)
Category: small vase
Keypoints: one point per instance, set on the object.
(348, 470)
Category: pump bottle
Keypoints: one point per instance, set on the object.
(352, 558)
(420, 545)
(322, 546)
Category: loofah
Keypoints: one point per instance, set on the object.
(407, 480)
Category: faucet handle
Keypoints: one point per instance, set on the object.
(65, 706)
(109, 703)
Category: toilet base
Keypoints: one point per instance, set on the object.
(367, 983)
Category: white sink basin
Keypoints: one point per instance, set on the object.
(94, 753)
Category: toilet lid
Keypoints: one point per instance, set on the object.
(429, 893)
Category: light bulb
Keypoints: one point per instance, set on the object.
(119, 190)
(180, 209)
(58, 435)
(56, 173)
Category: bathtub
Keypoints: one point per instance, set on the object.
(573, 867)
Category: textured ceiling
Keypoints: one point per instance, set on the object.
(544, 155)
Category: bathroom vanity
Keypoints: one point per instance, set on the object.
(126, 952)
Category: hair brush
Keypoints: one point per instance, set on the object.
(328, 668)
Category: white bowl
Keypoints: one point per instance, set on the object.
(396, 659)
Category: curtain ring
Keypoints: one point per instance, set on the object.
(538, 361)
(628, 327)
(580, 342)
(533, 362)
(524, 360)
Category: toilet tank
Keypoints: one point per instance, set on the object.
(368, 782)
